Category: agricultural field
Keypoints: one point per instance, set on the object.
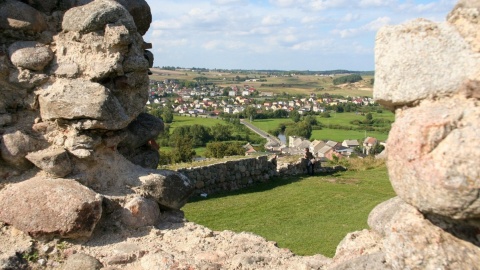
(291, 84)
(308, 215)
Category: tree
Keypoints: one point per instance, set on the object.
(182, 151)
(347, 79)
(167, 114)
(221, 132)
(198, 134)
(295, 116)
(301, 129)
(251, 112)
(221, 149)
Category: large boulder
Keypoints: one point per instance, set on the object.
(95, 15)
(140, 11)
(140, 212)
(411, 51)
(81, 100)
(15, 146)
(21, 17)
(412, 242)
(433, 158)
(45, 208)
(170, 189)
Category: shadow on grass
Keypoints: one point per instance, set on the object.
(274, 182)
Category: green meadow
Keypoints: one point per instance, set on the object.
(308, 215)
(326, 133)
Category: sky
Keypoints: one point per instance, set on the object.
(278, 34)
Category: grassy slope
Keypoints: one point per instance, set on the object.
(308, 215)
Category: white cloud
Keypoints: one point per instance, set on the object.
(272, 20)
(376, 3)
(372, 26)
(350, 17)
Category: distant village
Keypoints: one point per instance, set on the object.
(208, 101)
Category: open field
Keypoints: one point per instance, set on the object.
(296, 84)
(332, 134)
(308, 215)
(188, 121)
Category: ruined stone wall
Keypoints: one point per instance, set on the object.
(73, 132)
(242, 173)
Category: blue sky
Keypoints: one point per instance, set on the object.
(278, 34)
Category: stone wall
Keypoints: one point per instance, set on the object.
(238, 174)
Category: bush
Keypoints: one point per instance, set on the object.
(347, 79)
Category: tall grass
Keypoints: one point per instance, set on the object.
(308, 215)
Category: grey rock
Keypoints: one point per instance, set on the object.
(170, 189)
(433, 163)
(149, 56)
(30, 54)
(79, 99)
(144, 156)
(117, 35)
(27, 79)
(15, 146)
(50, 208)
(22, 17)
(140, 212)
(140, 11)
(143, 129)
(80, 261)
(95, 15)
(66, 70)
(135, 63)
(410, 51)
(380, 217)
(413, 242)
(54, 161)
(357, 244)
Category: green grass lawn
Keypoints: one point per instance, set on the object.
(188, 121)
(333, 134)
(340, 135)
(308, 215)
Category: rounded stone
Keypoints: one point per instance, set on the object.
(30, 55)
(433, 157)
(21, 17)
(140, 212)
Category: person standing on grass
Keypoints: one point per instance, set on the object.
(310, 161)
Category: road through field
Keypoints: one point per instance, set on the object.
(272, 141)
